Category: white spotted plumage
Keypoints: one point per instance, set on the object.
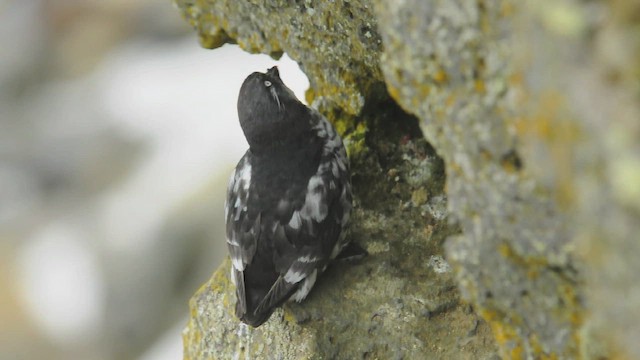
(288, 201)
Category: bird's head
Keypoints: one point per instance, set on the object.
(269, 112)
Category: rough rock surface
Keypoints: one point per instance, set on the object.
(334, 42)
(534, 110)
(512, 259)
(581, 139)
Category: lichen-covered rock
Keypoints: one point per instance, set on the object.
(580, 137)
(513, 259)
(334, 42)
(499, 84)
(533, 107)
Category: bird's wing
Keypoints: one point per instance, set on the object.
(313, 233)
(325, 205)
(306, 229)
(242, 227)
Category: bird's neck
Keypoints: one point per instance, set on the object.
(291, 132)
(286, 147)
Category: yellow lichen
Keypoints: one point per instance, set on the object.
(550, 124)
(505, 335)
(526, 262)
(208, 41)
(419, 196)
(355, 141)
(394, 92)
(539, 351)
(288, 317)
(440, 76)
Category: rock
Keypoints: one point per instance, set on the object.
(581, 139)
(518, 101)
(335, 43)
(513, 260)
(524, 130)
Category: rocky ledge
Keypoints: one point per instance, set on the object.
(531, 110)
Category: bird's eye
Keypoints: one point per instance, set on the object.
(267, 83)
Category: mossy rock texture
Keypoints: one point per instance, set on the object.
(530, 108)
(319, 35)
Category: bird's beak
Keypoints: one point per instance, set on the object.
(274, 72)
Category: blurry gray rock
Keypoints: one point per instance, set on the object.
(517, 101)
(513, 259)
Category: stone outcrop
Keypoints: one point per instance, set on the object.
(533, 109)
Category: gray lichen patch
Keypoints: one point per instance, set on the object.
(513, 258)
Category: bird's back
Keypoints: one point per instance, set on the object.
(285, 214)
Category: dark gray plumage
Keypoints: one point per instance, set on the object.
(288, 201)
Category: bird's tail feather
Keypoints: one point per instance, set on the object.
(278, 294)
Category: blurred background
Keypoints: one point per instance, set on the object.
(117, 137)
